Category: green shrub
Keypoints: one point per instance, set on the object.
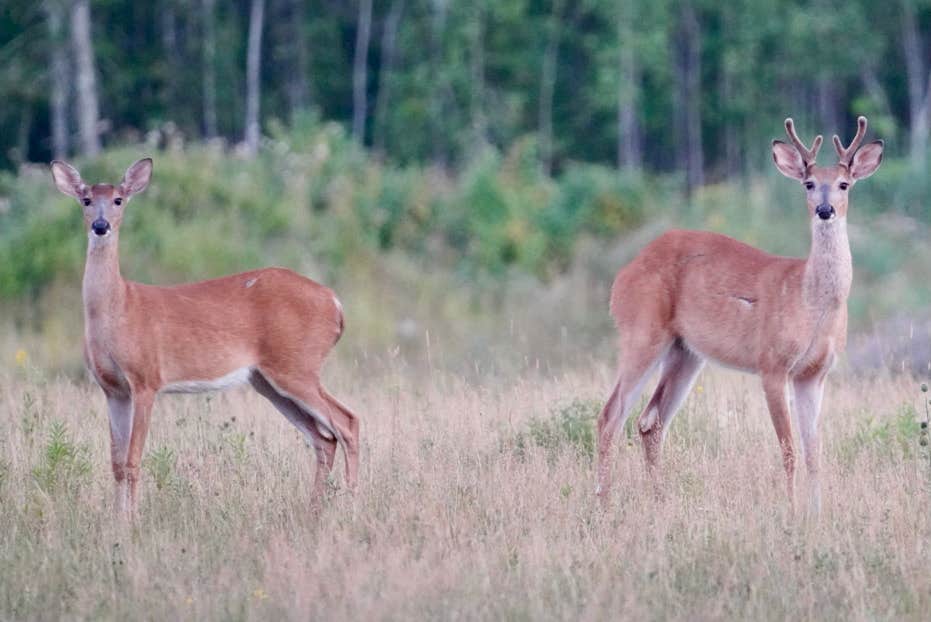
(313, 197)
(160, 465)
(4, 472)
(887, 436)
(570, 426)
(595, 200)
(65, 466)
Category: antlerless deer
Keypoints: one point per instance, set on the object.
(690, 296)
(272, 328)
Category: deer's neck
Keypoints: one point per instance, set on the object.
(103, 289)
(829, 269)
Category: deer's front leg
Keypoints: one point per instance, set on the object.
(142, 411)
(129, 426)
(774, 386)
(808, 395)
(121, 425)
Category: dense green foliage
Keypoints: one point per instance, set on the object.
(315, 194)
(314, 201)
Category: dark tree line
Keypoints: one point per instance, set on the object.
(689, 85)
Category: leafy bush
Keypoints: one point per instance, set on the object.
(886, 436)
(594, 200)
(65, 465)
(314, 201)
(313, 193)
(899, 188)
(568, 427)
(160, 466)
(491, 219)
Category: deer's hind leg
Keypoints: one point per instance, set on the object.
(352, 445)
(324, 445)
(681, 367)
(639, 357)
(331, 418)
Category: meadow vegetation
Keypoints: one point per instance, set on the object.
(475, 501)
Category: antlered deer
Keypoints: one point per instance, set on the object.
(694, 295)
(271, 328)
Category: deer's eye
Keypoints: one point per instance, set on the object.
(810, 185)
(118, 201)
(844, 185)
(86, 202)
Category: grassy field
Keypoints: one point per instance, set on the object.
(475, 502)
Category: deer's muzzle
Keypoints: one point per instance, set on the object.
(100, 227)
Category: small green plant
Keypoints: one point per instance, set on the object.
(923, 431)
(234, 440)
(4, 472)
(65, 465)
(571, 425)
(884, 436)
(160, 465)
(30, 415)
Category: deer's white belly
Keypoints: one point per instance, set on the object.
(232, 379)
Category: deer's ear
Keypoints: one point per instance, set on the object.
(68, 179)
(867, 160)
(136, 177)
(788, 160)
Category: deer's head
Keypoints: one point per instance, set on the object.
(103, 204)
(827, 187)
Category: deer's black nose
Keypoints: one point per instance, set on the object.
(100, 226)
(824, 211)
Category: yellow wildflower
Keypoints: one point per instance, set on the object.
(21, 357)
(259, 594)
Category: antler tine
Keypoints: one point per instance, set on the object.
(808, 155)
(845, 156)
(816, 147)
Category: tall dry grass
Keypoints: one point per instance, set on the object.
(474, 503)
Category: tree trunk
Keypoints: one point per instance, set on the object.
(438, 86)
(297, 88)
(732, 159)
(479, 121)
(389, 40)
(919, 86)
(548, 86)
(58, 98)
(828, 107)
(170, 53)
(21, 152)
(875, 90)
(730, 60)
(629, 135)
(253, 75)
(360, 71)
(87, 108)
(687, 46)
(209, 62)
